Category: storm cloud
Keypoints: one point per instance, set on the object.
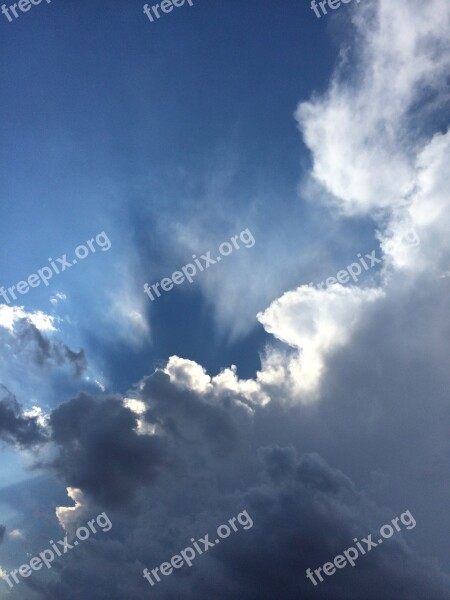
(100, 451)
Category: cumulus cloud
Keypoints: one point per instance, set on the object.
(315, 321)
(301, 506)
(206, 459)
(188, 375)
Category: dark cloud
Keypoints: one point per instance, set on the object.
(186, 417)
(204, 464)
(44, 351)
(100, 451)
(343, 467)
(78, 360)
(303, 512)
(2, 533)
(15, 427)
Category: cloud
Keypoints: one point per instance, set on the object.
(312, 475)
(68, 514)
(11, 315)
(15, 425)
(127, 312)
(28, 336)
(99, 450)
(425, 214)
(207, 459)
(400, 52)
(58, 297)
(301, 506)
(2, 533)
(314, 322)
(390, 95)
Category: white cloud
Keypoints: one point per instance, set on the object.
(58, 297)
(187, 374)
(311, 321)
(9, 315)
(314, 322)
(362, 131)
(127, 310)
(15, 533)
(69, 515)
(139, 407)
(427, 214)
(36, 411)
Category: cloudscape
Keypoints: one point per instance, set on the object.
(224, 300)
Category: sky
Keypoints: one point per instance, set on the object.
(300, 382)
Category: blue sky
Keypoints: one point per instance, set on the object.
(187, 119)
(319, 407)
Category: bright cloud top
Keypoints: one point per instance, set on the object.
(314, 322)
(9, 315)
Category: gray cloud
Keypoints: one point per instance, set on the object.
(99, 450)
(15, 427)
(304, 513)
(43, 351)
(208, 460)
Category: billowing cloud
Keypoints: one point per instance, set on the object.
(314, 322)
(365, 147)
(301, 506)
(393, 166)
